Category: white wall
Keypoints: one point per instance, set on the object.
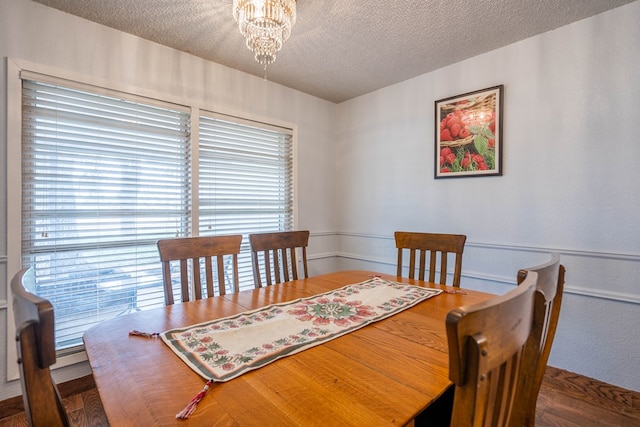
(44, 36)
(570, 184)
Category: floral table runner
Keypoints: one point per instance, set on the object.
(222, 349)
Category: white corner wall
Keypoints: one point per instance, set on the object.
(570, 180)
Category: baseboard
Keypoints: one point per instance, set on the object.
(14, 405)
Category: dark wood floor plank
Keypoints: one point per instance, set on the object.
(77, 418)
(93, 409)
(599, 393)
(568, 409)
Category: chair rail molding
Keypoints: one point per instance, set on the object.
(3, 302)
(585, 256)
(323, 234)
(568, 252)
(323, 255)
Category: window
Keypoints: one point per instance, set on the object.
(105, 175)
(245, 182)
(103, 178)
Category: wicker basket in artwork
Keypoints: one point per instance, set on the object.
(457, 142)
(472, 108)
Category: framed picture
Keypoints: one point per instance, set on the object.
(468, 134)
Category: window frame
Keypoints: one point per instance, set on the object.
(15, 67)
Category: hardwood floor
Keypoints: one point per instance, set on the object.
(566, 400)
(84, 410)
(80, 399)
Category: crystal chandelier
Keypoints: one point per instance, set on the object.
(265, 24)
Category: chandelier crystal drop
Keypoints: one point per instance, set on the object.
(265, 24)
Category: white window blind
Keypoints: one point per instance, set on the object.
(245, 181)
(103, 179)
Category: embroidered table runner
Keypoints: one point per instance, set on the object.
(225, 348)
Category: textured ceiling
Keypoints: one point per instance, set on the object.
(340, 49)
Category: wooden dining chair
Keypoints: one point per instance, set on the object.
(190, 251)
(436, 245)
(277, 253)
(34, 318)
(547, 303)
(486, 350)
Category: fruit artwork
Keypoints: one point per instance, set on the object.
(466, 138)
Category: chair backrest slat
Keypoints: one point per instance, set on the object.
(435, 245)
(278, 252)
(221, 276)
(34, 319)
(190, 251)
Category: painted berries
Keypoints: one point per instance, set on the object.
(468, 161)
(467, 139)
(454, 126)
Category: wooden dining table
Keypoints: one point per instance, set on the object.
(383, 374)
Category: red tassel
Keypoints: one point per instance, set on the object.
(191, 407)
(144, 334)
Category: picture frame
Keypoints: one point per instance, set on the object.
(468, 134)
